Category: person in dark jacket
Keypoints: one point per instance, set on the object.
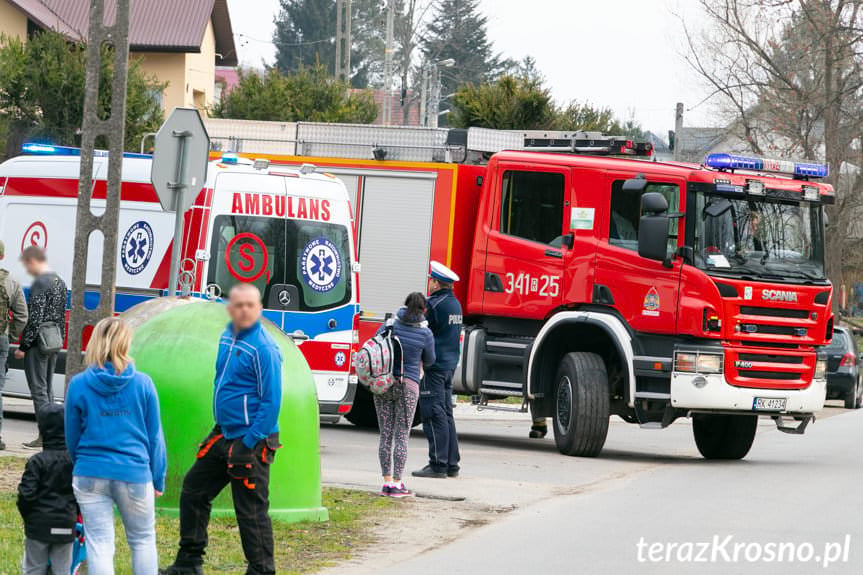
(396, 407)
(114, 435)
(47, 304)
(46, 501)
(247, 397)
(445, 320)
(13, 318)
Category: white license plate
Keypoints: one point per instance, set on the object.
(769, 403)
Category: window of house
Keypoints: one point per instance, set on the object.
(626, 213)
(532, 205)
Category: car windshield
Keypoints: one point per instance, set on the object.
(760, 237)
(311, 259)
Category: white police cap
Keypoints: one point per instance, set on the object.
(440, 272)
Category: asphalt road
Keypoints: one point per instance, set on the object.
(648, 503)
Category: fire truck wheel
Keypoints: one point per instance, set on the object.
(362, 413)
(724, 436)
(581, 405)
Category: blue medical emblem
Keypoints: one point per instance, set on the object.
(137, 248)
(321, 265)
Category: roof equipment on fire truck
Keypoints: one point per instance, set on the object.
(799, 170)
(590, 143)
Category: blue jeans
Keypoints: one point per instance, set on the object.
(135, 502)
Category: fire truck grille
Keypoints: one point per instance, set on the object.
(779, 375)
(775, 312)
(779, 330)
(765, 368)
(770, 358)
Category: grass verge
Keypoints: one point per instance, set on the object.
(300, 547)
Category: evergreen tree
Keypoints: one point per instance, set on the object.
(458, 31)
(310, 95)
(305, 37)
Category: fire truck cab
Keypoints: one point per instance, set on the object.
(606, 286)
(288, 230)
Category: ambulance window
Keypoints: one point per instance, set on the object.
(246, 249)
(626, 213)
(319, 263)
(532, 205)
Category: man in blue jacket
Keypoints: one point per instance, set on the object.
(246, 399)
(444, 317)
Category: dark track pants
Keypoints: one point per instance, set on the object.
(438, 422)
(204, 481)
(39, 371)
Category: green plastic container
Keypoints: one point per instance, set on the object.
(176, 342)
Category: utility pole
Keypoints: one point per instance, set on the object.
(112, 129)
(344, 40)
(388, 64)
(424, 95)
(678, 128)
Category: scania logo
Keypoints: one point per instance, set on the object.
(779, 295)
(743, 364)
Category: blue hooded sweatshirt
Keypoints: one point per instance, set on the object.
(113, 429)
(417, 344)
(247, 392)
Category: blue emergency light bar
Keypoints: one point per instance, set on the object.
(37, 149)
(230, 158)
(733, 162)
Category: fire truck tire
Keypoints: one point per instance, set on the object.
(362, 413)
(581, 405)
(720, 436)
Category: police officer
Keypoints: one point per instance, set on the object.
(444, 317)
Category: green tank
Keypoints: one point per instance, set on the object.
(176, 341)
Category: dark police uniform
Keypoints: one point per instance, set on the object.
(444, 315)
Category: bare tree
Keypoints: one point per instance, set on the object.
(790, 73)
(410, 19)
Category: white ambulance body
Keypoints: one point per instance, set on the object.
(288, 231)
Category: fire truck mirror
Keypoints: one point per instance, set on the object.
(636, 184)
(653, 237)
(653, 203)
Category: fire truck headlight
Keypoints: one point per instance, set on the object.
(685, 362)
(820, 369)
(697, 362)
(709, 363)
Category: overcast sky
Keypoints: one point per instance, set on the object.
(631, 60)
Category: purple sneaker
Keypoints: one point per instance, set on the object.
(400, 491)
(386, 491)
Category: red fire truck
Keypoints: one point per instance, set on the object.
(594, 283)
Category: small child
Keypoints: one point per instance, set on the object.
(46, 501)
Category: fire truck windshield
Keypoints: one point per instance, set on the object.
(760, 237)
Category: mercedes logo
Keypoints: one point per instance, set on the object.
(285, 297)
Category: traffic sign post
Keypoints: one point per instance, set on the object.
(179, 169)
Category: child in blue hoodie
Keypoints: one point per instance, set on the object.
(114, 435)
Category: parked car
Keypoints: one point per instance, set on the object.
(843, 371)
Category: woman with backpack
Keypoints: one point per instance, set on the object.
(396, 407)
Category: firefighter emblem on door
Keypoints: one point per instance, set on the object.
(137, 248)
(321, 265)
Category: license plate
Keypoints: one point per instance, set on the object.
(769, 404)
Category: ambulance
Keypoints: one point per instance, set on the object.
(288, 230)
